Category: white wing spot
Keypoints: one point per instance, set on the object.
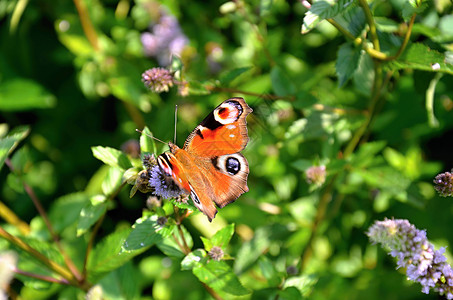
(231, 135)
(231, 126)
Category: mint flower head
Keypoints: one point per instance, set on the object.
(158, 79)
(163, 185)
(415, 253)
(444, 184)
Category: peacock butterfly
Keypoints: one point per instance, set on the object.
(210, 166)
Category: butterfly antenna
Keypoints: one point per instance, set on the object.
(176, 118)
(150, 136)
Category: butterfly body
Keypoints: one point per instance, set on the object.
(209, 167)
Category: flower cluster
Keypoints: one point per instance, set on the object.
(164, 186)
(316, 175)
(414, 252)
(444, 184)
(164, 39)
(158, 79)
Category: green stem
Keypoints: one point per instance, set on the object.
(44, 216)
(9, 216)
(87, 26)
(32, 251)
(370, 20)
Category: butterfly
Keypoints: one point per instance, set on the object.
(210, 166)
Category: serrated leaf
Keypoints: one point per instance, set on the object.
(24, 94)
(112, 181)
(194, 259)
(281, 83)
(147, 144)
(147, 232)
(222, 237)
(91, 213)
(219, 276)
(421, 57)
(412, 7)
(229, 76)
(10, 142)
(347, 62)
(321, 10)
(109, 255)
(111, 157)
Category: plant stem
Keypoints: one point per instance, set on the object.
(44, 216)
(32, 251)
(87, 26)
(9, 216)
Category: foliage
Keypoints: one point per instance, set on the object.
(351, 123)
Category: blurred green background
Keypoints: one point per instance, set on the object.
(71, 71)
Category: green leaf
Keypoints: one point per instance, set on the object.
(364, 75)
(412, 7)
(321, 10)
(219, 276)
(112, 181)
(230, 75)
(122, 283)
(194, 259)
(24, 94)
(111, 157)
(421, 57)
(146, 232)
(252, 250)
(10, 142)
(65, 211)
(147, 144)
(304, 283)
(273, 277)
(91, 213)
(171, 248)
(265, 7)
(347, 62)
(222, 237)
(109, 255)
(281, 83)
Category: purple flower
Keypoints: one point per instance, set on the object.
(165, 39)
(164, 186)
(444, 184)
(414, 252)
(316, 175)
(158, 79)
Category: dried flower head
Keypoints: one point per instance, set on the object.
(158, 79)
(444, 184)
(131, 147)
(216, 253)
(164, 185)
(316, 175)
(149, 161)
(414, 252)
(161, 221)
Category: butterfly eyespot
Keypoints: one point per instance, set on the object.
(232, 165)
(228, 112)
